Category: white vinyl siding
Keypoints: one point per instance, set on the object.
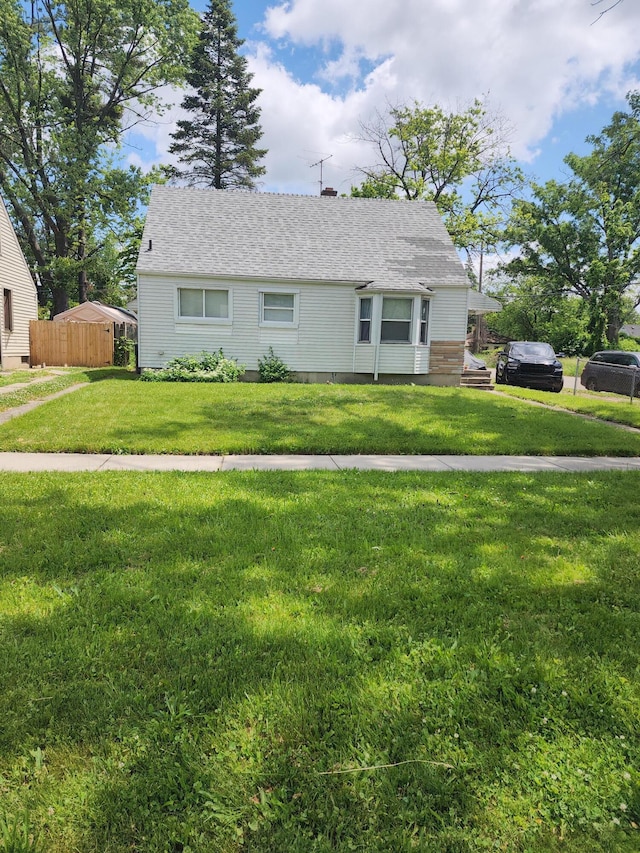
(20, 303)
(324, 337)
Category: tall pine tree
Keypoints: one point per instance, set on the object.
(217, 145)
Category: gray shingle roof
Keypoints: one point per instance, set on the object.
(381, 243)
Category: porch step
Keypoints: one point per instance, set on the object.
(480, 379)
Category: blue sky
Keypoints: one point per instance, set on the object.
(325, 66)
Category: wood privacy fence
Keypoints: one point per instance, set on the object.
(72, 344)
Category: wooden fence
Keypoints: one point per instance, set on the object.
(72, 344)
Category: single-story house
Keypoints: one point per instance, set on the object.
(342, 289)
(19, 298)
(125, 322)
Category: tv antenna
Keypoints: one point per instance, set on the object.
(319, 163)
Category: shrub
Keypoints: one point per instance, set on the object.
(271, 368)
(123, 352)
(203, 367)
(628, 344)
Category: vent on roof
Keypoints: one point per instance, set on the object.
(329, 191)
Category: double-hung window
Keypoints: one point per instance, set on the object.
(278, 308)
(397, 320)
(203, 303)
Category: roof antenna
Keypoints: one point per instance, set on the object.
(319, 163)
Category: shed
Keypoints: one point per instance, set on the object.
(125, 323)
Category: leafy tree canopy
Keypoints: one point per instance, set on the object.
(460, 160)
(73, 78)
(582, 236)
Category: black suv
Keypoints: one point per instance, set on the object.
(531, 364)
(613, 370)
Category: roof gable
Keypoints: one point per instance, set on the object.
(221, 233)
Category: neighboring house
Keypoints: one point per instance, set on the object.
(342, 289)
(631, 329)
(19, 297)
(125, 323)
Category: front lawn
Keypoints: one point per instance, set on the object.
(609, 407)
(119, 416)
(320, 662)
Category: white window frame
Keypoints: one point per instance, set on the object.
(206, 321)
(410, 322)
(360, 320)
(279, 324)
(421, 301)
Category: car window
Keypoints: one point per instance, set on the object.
(532, 349)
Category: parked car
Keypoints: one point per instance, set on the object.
(531, 364)
(612, 370)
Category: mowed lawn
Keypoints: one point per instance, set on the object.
(319, 661)
(129, 416)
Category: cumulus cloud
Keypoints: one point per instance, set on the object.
(537, 59)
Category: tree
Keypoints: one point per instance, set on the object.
(217, 144)
(73, 78)
(459, 160)
(529, 313)
(582, 236)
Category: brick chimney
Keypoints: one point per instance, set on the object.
(329, 191)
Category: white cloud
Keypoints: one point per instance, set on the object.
(537, 59)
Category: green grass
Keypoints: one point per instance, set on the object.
(211, 663)
(117, 416)
(615, 408)
(37, 389)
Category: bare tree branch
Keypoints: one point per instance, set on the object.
(604, 11)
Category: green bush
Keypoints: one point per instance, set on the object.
(203, 367)
(123, 349)
(271, 368)
(628, 344)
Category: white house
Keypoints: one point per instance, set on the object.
(19, 297)
(342, 289)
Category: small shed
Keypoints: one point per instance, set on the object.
(125, 323)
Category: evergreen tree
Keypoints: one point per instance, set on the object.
(217, 145)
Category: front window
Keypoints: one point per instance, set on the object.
(397, 315)
(278, 308)
(8, 311)
(364, 319)
(203, 303)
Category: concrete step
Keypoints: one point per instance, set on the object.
(480, 379)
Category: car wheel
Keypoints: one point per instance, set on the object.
(591, 384)
(557, 389)
(499, 378)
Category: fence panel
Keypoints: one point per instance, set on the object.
(71, 344)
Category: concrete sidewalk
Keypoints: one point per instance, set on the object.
(23, 462)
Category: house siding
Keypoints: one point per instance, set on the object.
(321, 346)
(322, 341)
(15, 277)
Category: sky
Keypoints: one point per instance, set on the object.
(554, 70)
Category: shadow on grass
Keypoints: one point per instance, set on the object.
(201, 649)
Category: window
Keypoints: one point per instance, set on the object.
(424, 320)
(278, 308)
(397, 314)
(8, 310)
(364, 318)
(203, 303)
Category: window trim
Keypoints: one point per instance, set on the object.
(279, 324)
(7, 309)
(205, 321)
(410, 321)
(361, 320)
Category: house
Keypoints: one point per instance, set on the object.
(125, 323)
(342, 289)
(19, 298)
